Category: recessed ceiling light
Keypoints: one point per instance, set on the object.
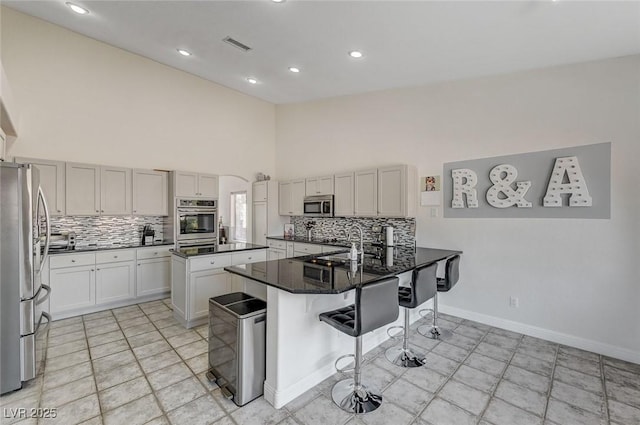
(278, 1)
(184, 52)
(79, 10)
(252, 80)
(294, 69)
(355, 54)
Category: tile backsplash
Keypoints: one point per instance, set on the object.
(107, 230)
(329, 228)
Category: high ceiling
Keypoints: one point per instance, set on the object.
(405, 43)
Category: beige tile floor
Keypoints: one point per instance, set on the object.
(137, 365)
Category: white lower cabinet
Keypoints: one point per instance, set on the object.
(153, 276)
(153, 271)
(195, 280)
(204, 285)
(72, 288)
(92, 281)
(276, 254)
(115, 282)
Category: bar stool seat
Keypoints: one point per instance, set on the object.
(451, 276)
(376, 305)
(423, 288)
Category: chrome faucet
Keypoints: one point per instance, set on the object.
(361, 251)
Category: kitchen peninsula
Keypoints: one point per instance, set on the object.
(300, 349)
(197, 274)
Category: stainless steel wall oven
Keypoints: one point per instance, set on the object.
(196, 222)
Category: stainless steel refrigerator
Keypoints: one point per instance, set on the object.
(24, 299)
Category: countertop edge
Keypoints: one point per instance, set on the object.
(229, 251)
(84, 250)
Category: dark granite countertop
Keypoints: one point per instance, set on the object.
(90, 248)
(316, 241)
(313, 274)
(215, 249)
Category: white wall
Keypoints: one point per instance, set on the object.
(82, 100)
(578, 281)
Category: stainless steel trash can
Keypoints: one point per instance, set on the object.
(237, 333)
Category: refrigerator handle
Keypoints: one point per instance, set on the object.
(48, 218)
(43, 299)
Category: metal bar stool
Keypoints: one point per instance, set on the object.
(451, 276)
(423, 288)
(376, 305)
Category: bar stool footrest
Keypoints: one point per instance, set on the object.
(345, 369)
(398, 335)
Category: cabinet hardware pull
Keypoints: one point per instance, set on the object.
(97, 211)
(155, 253)
(138, 263)
(212, 262)
(115, 256)
(59, 211)
(73, 261)
(135, 211)
(98, 270)
(91, 269)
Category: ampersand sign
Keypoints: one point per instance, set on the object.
(502, 185)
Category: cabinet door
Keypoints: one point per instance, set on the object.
(115, 191)
(115, 282)
(290, 249)
(153, 276)
(260, 223)
(343, 198)
(311, 187)
(204, 285)
(325, 185)
(207, 186)
(52, 182)
(150, 192)
(366, 193)
(260, 191)
(297, 196)
(284, 199)
(275, 254)
(82, 185)
(72, 288)
(185, 184)
(392, 191)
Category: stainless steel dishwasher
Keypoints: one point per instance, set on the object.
(237, 333)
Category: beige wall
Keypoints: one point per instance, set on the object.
(577, 280)
(82, 100)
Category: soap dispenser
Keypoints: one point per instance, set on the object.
(353, 254)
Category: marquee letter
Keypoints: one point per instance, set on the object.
(503, 185)
(576, 187)
(464, 182)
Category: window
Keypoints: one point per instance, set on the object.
(238, 223)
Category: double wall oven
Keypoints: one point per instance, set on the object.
(196, 222)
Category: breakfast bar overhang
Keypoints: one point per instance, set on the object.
(301, 351)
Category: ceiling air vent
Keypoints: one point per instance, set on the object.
(236, 43)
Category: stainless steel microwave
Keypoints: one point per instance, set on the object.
(318, 206)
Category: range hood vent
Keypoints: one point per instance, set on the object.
(236, 43)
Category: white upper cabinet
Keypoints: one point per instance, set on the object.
(150, 192)
(366, 193)
(95, 190)
(319, 186)
(343, 199)
(115, 191)
(52, 182)
(260, 191)
(195, 185)
(208, 186)
(291, 198)
(82, 189)
(397, 186)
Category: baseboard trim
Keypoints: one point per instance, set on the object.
(109, 306)
(559, 337)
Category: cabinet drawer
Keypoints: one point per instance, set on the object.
(115, 256)
(72, 260)
(161, 251)
(247, 257)
(210, 262)
(277, 244)
(307, 248)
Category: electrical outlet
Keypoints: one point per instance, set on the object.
(434, 212)
(514, 302)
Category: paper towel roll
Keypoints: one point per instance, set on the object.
(389, 256)
(389, 236)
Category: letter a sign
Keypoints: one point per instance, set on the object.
(567, 178)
